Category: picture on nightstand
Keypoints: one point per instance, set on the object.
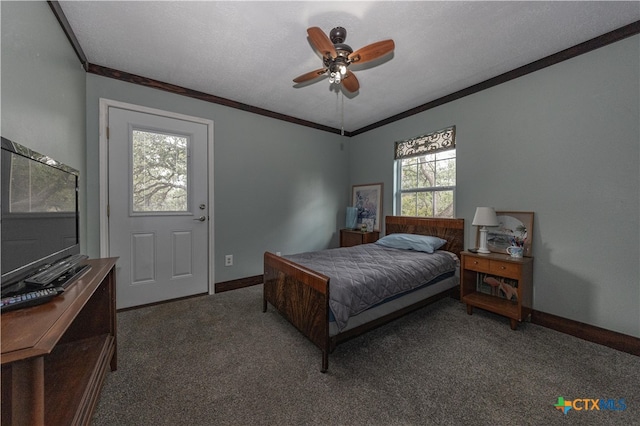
(505, 288)
(515, 228)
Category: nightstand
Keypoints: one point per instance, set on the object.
(498, 283)
(350, 237)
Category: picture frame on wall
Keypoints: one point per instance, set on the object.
(512, 226)
(368, 200)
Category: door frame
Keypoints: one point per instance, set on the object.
(105, 104)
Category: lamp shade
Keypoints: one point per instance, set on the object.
(485, 216)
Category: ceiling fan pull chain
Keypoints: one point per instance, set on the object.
(342, 127)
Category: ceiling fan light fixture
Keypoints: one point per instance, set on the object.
(337, 70)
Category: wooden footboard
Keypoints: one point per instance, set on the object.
(301, 296)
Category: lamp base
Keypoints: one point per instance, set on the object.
(483, 241)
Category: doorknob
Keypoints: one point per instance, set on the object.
(201, 219)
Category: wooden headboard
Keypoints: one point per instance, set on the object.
(451, 230)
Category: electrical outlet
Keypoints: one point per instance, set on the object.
(228, 260)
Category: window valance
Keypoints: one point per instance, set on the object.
(431, 143)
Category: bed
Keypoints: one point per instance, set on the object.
(304, 296)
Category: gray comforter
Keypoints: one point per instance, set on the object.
(365, 275)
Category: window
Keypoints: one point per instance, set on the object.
(426, 175)
(160, 164)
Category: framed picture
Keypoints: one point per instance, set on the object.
(512, 227)
(368, 200)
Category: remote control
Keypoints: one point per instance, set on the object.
(31, 298)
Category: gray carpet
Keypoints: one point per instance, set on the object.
(218, 360)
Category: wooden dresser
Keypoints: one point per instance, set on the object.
(55, 355)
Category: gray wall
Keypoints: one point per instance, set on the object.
(43, 89)
(563, 142)
(278, 186)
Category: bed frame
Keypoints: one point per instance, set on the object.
(301, 295)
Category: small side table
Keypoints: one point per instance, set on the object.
(485, 277)
(350, 237)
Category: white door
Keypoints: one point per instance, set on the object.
(158, 206)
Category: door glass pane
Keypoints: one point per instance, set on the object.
(160, 172)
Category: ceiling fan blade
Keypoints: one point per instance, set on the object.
(372, 51)
(321, 42)
(350, 82)
(310, 75)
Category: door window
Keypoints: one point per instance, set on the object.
(160, 177)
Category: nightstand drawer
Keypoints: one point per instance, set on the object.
(505, 269)
(476, 264)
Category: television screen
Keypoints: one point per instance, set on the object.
(39, 211)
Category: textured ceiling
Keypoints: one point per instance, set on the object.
(249, 52)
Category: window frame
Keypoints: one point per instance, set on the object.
(432, 143)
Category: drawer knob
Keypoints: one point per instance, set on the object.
(503, 267)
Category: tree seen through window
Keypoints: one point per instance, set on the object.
(160, 178)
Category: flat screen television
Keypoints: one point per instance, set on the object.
(40, 217)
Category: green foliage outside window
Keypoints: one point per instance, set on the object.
(427, 184)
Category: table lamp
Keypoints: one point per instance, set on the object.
(485, 216)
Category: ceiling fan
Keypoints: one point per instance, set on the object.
(337, 56)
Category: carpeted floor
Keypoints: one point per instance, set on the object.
(218, 360)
